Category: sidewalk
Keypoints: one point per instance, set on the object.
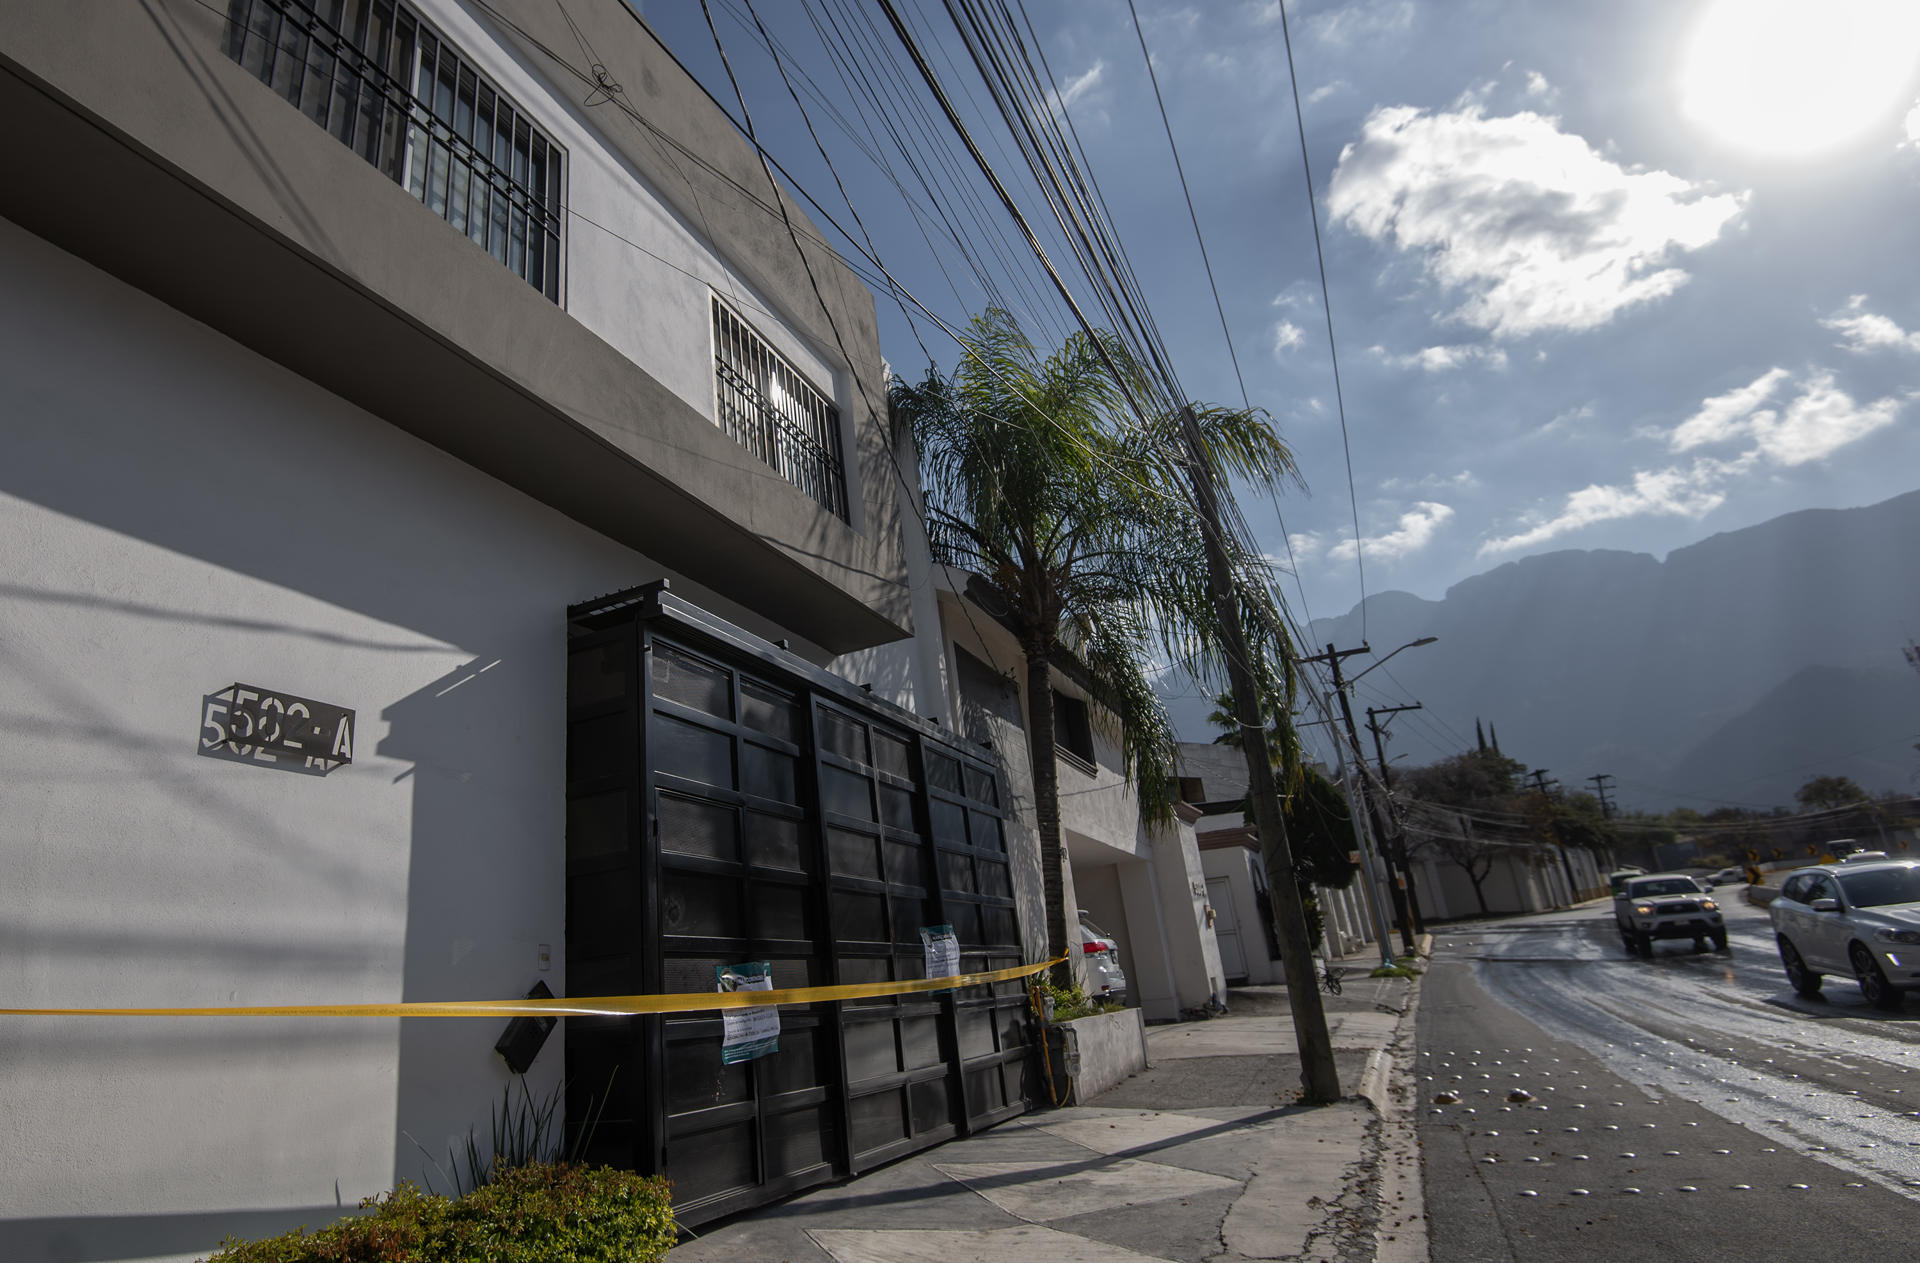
(1201, 1157)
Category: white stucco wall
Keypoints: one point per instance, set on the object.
(1236, 864)
(178, 514)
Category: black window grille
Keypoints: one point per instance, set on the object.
(767, 407)
(1072, 727)
(383, 84)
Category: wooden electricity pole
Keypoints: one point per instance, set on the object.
(1319, 1077)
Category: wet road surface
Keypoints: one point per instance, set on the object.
(1684, 1107)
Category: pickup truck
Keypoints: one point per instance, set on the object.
(1654, 906)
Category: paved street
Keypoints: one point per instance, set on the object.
(1684, 1107)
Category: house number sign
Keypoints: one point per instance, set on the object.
(250, 724)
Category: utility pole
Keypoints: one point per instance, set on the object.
(1397, 841)
(1332, 658)
(1540, 783)
(1319, 1076)
(1600, 791)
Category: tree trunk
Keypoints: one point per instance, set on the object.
(1046, 802)
(1477, 892)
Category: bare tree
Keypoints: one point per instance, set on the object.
(1455, 841)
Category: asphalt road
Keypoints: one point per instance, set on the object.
(1684, 1107)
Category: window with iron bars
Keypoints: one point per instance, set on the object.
(767, 407)
(386, 86)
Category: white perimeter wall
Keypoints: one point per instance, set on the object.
(177, 514)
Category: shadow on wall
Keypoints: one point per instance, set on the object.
(485, 886)
(99, 1238)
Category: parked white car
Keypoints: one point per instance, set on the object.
(1105, 981)
(1858, 918)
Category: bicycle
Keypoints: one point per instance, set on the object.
(1330, 980)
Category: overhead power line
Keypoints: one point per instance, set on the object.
(1326, 304)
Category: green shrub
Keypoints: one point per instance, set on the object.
(1072, 1002)
(544, 1213)
(526, 1132)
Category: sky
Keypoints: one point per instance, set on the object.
(1601, 276)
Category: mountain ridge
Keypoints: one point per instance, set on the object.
(1776, 640)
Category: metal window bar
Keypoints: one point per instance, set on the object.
(766, 406)
(455, 142)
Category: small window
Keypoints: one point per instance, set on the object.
(766, 406)
(1072, 727)
(382, 83)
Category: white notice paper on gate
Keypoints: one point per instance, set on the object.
(748, 1033)
(943, 950)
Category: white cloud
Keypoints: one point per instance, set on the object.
(1368, 19)
(1079, 85)
(1537, 229)
(1305, 545)
(1820, 420)
(1416, 529)
(1537, 86)
(1910, 133)
(1674, 492)
(1726, 416)
(1286, 336)
(1462, 481)
(1439, 359)
(1868, 331)
(1297, 295)
(1326, 90)
(1567, 419)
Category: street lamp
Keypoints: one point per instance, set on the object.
(1357, 791)
(1411, 644)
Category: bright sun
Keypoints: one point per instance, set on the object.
(1791, 77)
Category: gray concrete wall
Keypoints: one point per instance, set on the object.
(1109, 1048)
(255, 221)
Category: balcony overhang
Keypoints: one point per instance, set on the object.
(183, 176)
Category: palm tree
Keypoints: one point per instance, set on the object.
(1040, 480)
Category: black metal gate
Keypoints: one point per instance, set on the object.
(727, 802)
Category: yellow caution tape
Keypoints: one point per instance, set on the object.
(595, 1006)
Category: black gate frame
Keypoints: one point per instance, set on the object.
(806, 823)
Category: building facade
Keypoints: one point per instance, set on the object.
(1214, 777)
(1142, 884)
(453, 544)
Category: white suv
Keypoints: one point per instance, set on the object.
(1860, 917)
(1102, 950)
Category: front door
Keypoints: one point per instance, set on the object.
(1226, 929)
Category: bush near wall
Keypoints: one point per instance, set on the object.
(544, 1213)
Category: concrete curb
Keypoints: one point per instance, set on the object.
(1401, 1234)
(1373, 1079)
